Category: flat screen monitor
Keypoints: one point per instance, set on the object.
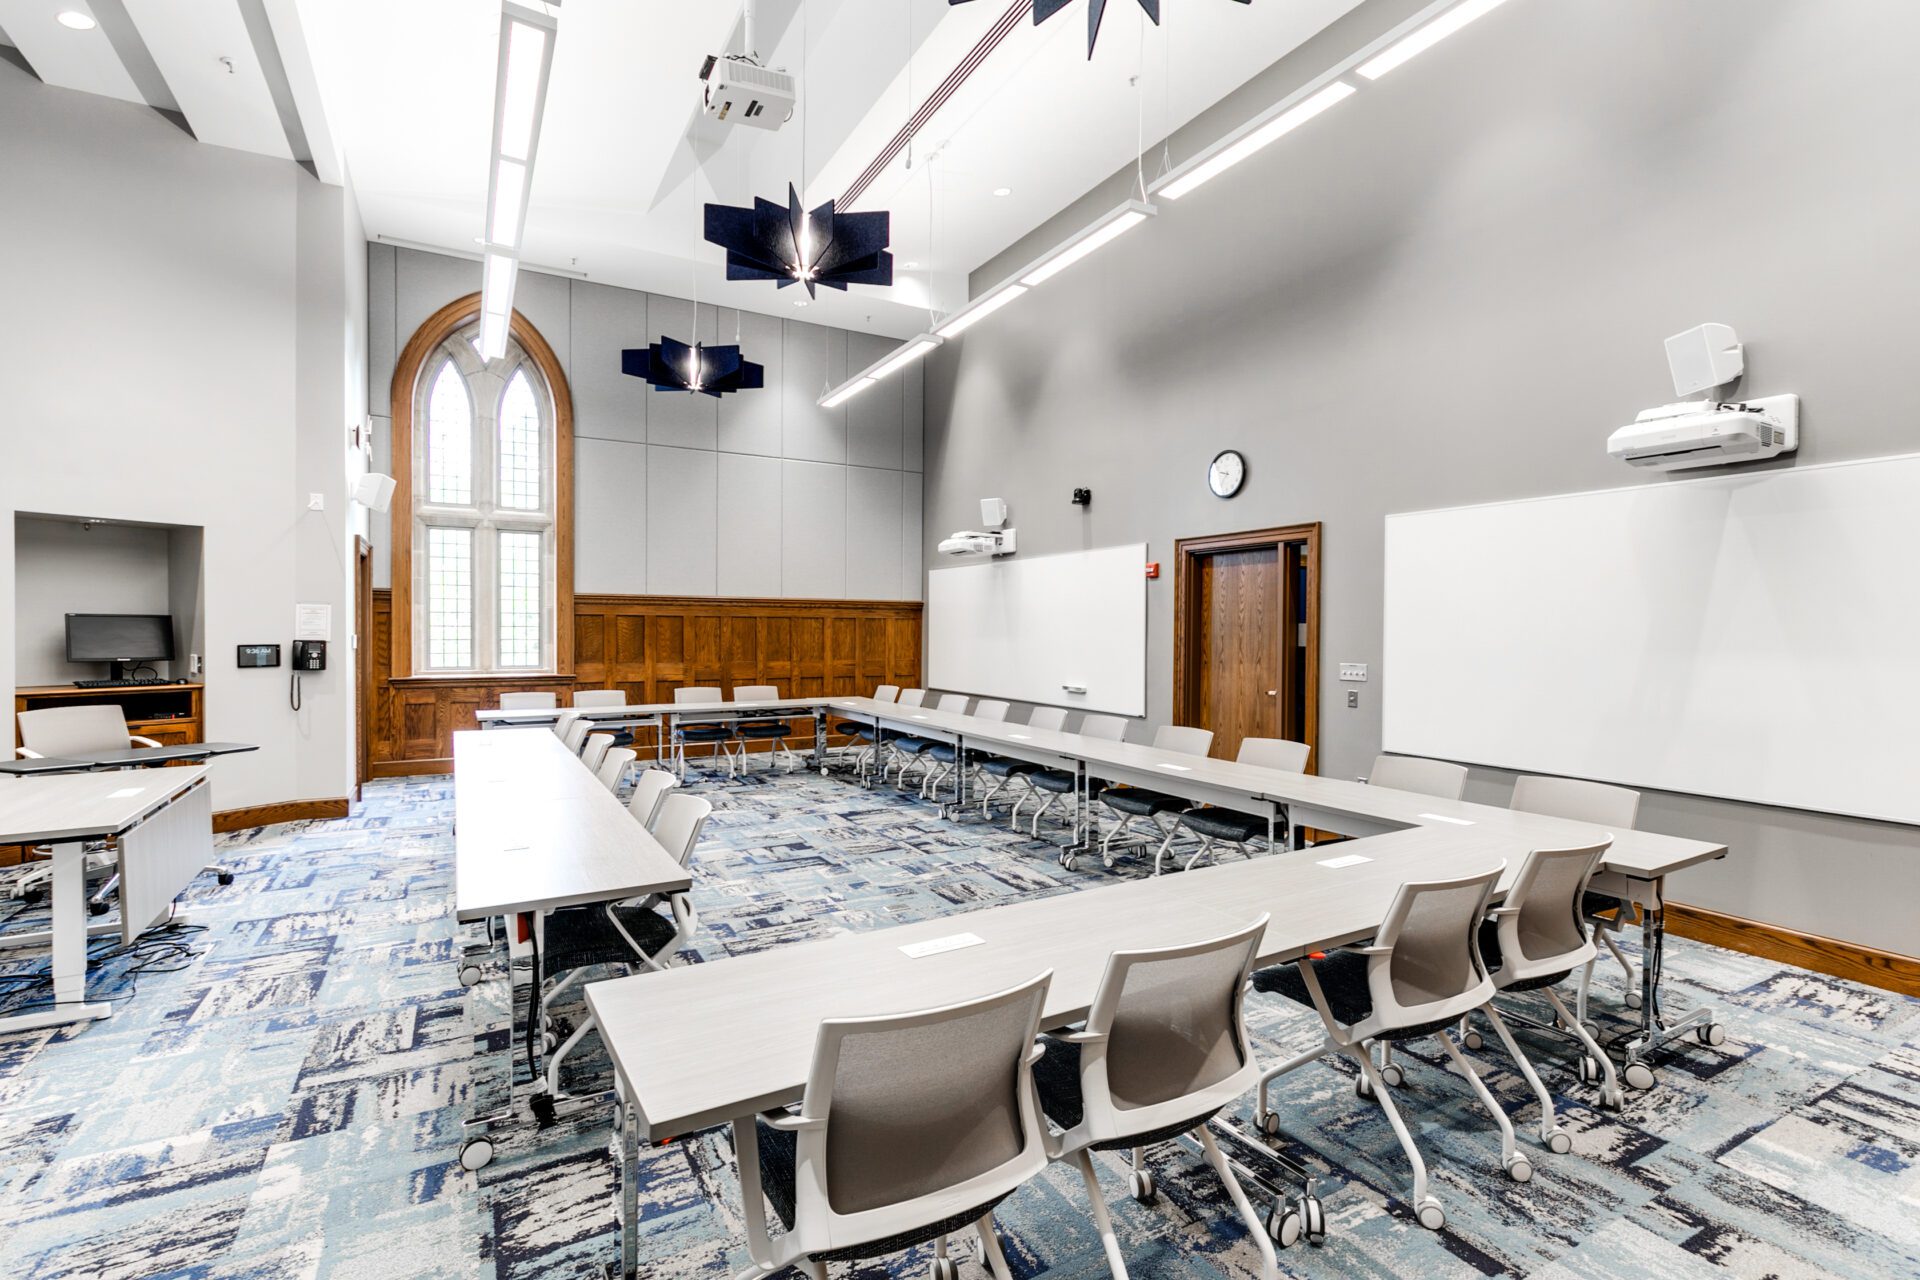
(119, 637)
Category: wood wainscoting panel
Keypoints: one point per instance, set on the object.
(646, 647)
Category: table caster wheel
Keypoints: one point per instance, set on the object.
(541, 1104)
(476, 1154)
(1362, 1086)
(1587, 1070)
(225, 877)
(823, 771)
(1393, 1075)
(1284, 1225)
(1269, 1123)
(1140, 1186)
(1712, 1035)
(943, 1269)
(1431, 1215)
(1473, 1040)
(1519, 1168)
(1638, 1076)
(1559, 1142)
(1635, 1000)
(469, 975)
(97, 908)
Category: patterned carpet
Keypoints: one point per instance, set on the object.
(286, 1100)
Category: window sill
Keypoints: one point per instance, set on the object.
(479, 677)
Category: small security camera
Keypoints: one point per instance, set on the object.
(1083, 497)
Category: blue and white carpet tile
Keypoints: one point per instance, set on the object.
(282, 1098)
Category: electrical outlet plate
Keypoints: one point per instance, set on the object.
(1353, 671)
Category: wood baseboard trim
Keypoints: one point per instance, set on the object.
(1888, 970)
(407, 768)
(266, 815)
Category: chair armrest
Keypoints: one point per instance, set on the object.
(1501, 912)
(139, 741)
(1083, 1037)
(1366, 949)
(25, 754)
(790, 1122)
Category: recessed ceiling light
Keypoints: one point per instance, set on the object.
(1003, 191)
(77, 20)
(800, 302)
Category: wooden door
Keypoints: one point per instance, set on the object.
(1242, 620)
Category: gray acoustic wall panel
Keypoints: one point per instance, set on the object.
(680, 494)
(873, 533)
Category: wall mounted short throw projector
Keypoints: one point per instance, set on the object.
(993, 541)
(1711, 432)
(791, 246)
(674, 366)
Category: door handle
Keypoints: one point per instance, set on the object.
(1273, 693)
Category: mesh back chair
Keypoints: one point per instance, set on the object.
(1164, 1048)
(586, 699)
(648, 791)
(536, 701)
(613, 767)
(863, 733)
(1531, 942)
(913, 1126)
(1610, 903)
(945, 756)
(884, 749)
(1010, 775)
(715, 736)
(1421, 974)
(774, 731)
(1425, 777)
(930, 751)
(633, 934)
(1049, 785)
(1128, 803)
(67, 731)
(575, 734)
(1213, 825)
(907, 748)
(595, 750)
(564, 720)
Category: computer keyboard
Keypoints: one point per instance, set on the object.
(129, 682)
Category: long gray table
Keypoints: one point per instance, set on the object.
(663, 716)
(125, 758)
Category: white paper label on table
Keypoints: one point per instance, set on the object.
(1441, 817)
(124, 793)
(1021, 737)
(935, 946)
(1177, 768)
(1350, 860)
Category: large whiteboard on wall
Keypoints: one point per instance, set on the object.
(1753, 637)
(1028, 627)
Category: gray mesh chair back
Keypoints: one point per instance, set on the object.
(699, 693)
(991, 709)
(912, 697)
(1547, 932)
(1577, 801)
(1424, 777)
(1275, 753)
(648, 790)
(584, 698)
(956, 703)
(67, 731)
(756, 693)
(563, 721)
(1184, 739)
(1432, 942)
(1048, 718)
(678, 822)
(886, 693)
(613, 767)
(575, 734)
(534, 701)
(1106, 728)
(595, 750)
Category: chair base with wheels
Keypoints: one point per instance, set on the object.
(1221, 826)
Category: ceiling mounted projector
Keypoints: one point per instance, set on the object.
(741, 91)
(972, 542)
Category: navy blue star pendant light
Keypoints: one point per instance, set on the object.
(1096, 10)
(790, 246)
(674, 366)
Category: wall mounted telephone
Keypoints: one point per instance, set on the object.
(312, 623)
(309, 655)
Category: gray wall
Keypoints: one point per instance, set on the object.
(761, 493)
(1448, 290)
(175, 356)
(62, 567)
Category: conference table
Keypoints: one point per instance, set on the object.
(125, 758)
(665, 716)
(161, 824)
(535, 831)
(661, 1029)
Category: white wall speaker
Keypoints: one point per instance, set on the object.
(374, 491)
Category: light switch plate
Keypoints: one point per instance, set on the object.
(1353, 671)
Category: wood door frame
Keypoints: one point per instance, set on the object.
(1187, 554)
(362, 662)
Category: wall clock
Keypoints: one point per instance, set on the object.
(1227, 473)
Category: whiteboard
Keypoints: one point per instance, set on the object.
(1027, 627)
(1752, 637)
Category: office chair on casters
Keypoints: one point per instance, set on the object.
(1215, 825)
(945, 756)
(574, 736)
(774, 731)
(919, 751)
(649, 789)
(595, 751)
(913, 1126)
(589, 699)
(1010, 775)
(1128, 803)
(1163, 1049)
(1052, 784)
(865, 733)
(715, 735)
(632, 934)
(1421, 974)
(613, 767)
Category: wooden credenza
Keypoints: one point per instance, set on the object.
(167, 713)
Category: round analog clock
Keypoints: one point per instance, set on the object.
(1227, 473)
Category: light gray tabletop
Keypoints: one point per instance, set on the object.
(648, 709)
(534, 830)
(82, 806)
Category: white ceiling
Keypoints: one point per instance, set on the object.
(403, 94)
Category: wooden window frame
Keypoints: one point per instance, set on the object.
(419, 352)
(1187, 553)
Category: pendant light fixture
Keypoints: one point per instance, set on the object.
(791, 246)
(1096, 10)
(671, 365)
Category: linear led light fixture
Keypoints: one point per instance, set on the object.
(982, 307)
(1427, 37)
(519, 104)
(886, 366)
(1249, 138)
(1104, 230)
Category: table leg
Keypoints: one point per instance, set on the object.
(1655, 1032)
(627, 1136)
(476, 1152)
(67, 945)
(820, 740)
